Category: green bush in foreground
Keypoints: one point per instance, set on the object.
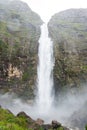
(10, 122)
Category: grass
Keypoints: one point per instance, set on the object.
(10, 122)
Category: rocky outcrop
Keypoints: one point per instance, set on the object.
(19, 34)
(39, 121)
(22, 121)
(68, 30)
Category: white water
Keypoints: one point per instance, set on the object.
(45, 71)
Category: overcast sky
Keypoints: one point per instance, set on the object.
(46, 8)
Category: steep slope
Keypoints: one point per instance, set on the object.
(68, 30)
(19, 35)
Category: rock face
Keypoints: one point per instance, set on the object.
(68, 30)
(19, 35)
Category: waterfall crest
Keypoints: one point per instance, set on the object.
(45, 71)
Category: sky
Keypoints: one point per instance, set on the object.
(47, 8)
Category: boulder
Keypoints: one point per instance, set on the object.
(39, 121)
(55, 124)
(47, 126)
(23, 114)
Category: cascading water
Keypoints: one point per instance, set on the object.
(45, 69)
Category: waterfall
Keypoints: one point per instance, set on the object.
(45, 71)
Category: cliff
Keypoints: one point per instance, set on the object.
(68, 31)
(19, 35)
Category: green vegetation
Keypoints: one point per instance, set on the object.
(22, 122)
(3, 49)
(9, 122)
(3, 59)
(19, 35)
(68, 30)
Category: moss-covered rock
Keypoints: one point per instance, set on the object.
(19, 35)
(68, 30)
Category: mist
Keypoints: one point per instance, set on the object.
(62, 110)
(47, 8)
(5, 1)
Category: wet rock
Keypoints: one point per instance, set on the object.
(47, 126)
(39, 121)
(55, 124)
